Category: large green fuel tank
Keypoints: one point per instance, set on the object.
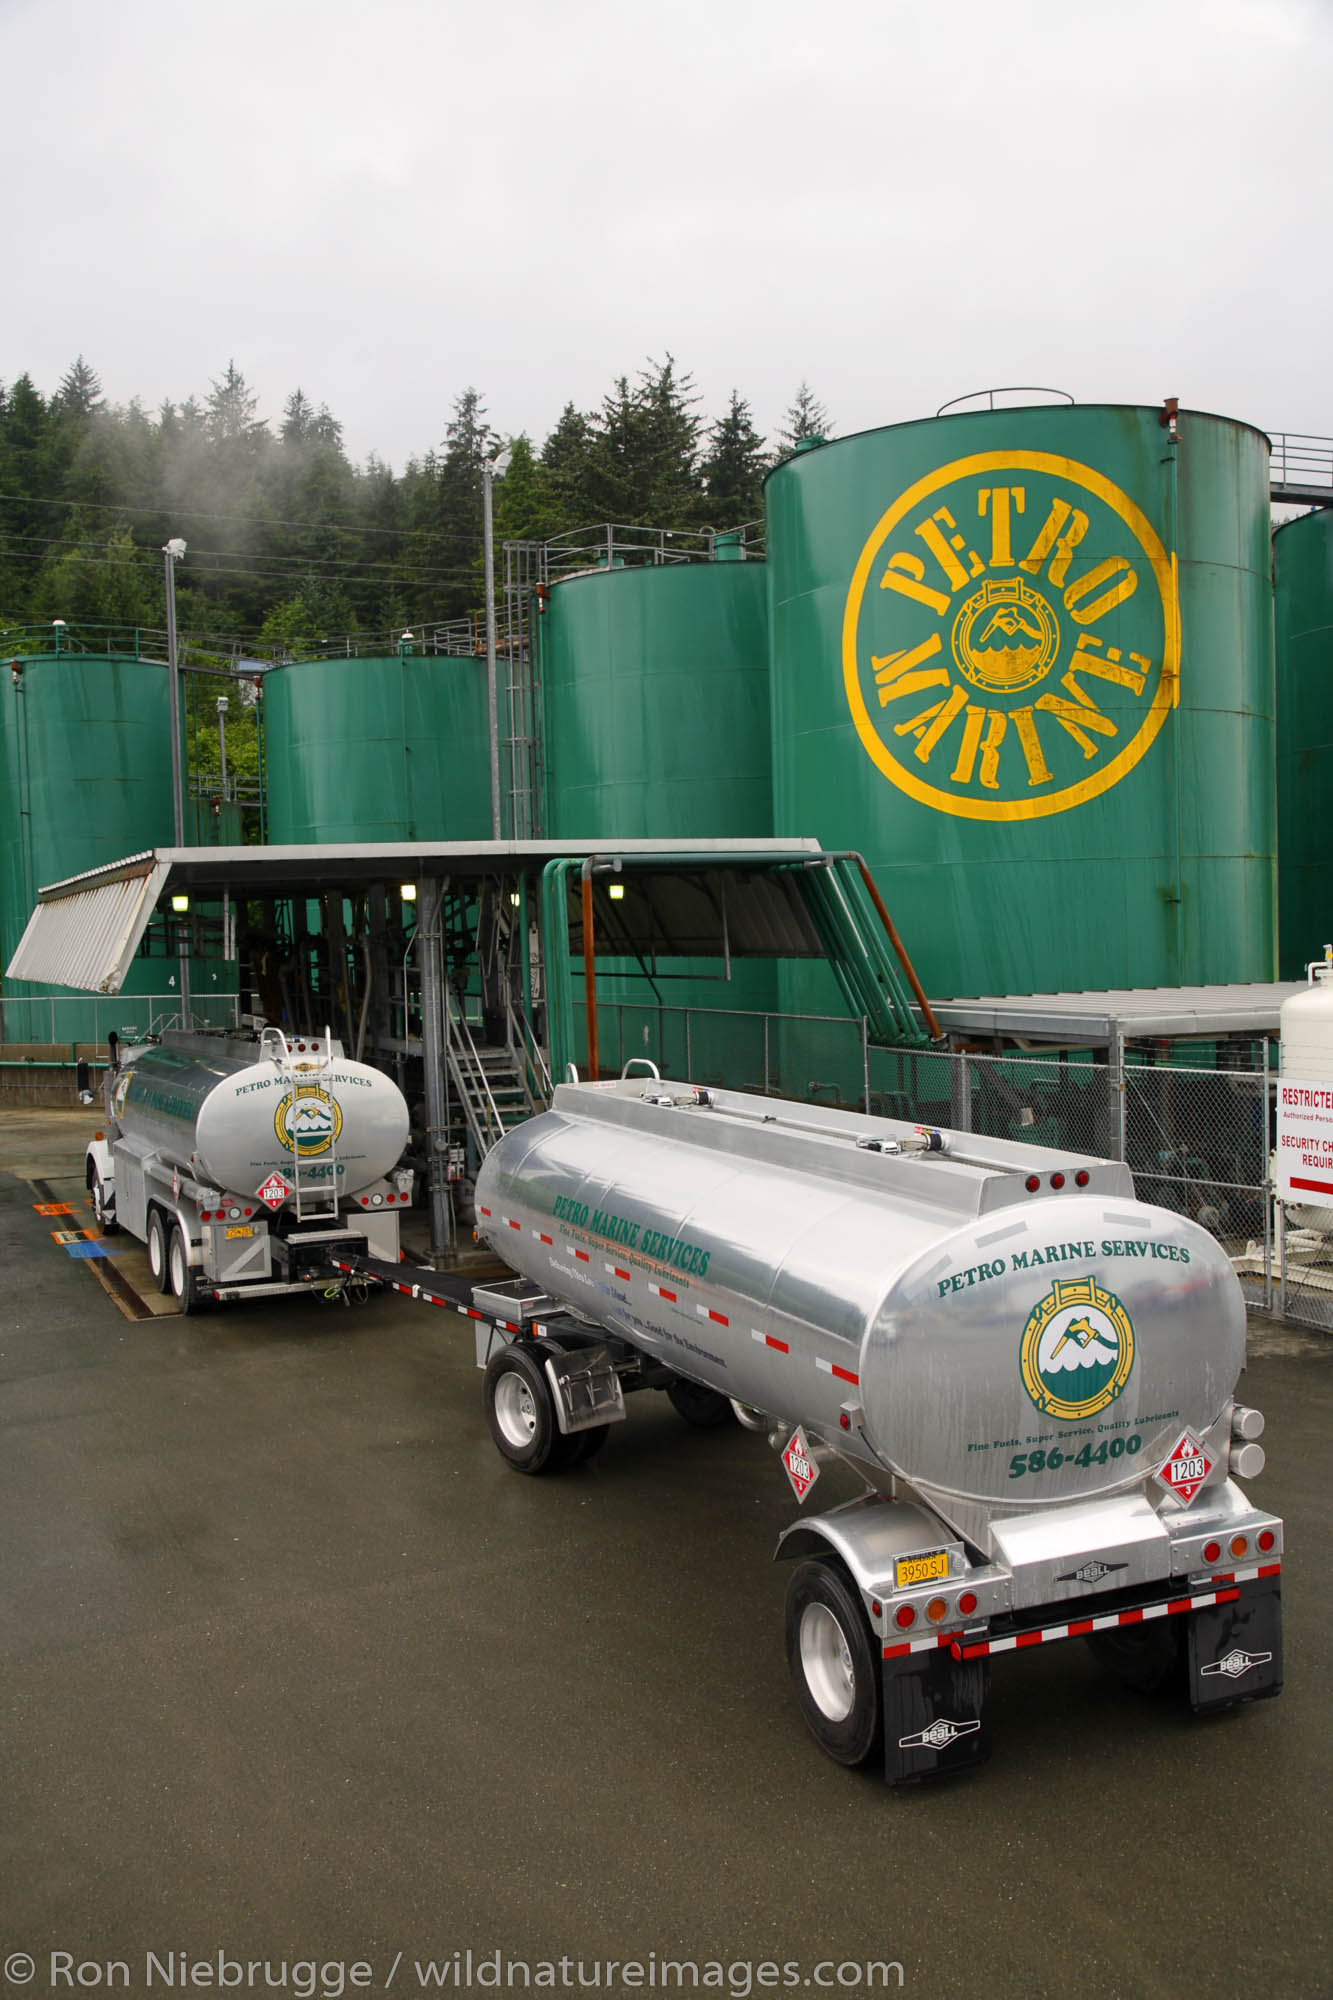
(655, 703)
(656, 726)
(1303, 607)
(377, 749)
(85, 749)
(1023, 660)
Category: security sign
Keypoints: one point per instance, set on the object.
(1186, 1468)
(799, 1464)
(274, 1192)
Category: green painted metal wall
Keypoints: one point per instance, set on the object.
(655, 699)
(85, 753)
(1303, 579)
(655, 708)
(1023, 660)
(377, 749)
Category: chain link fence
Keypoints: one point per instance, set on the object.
(1195, 1132)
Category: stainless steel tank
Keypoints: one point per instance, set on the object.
(941, 1307)
(229, 1115)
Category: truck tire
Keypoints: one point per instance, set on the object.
(704, 1408)
(833, 1664)
(520, 1411)
(158, 1262)
(586, 1444)
(103, 1210)
(184, 1279)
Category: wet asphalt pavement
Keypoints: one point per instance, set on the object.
(295, 1670)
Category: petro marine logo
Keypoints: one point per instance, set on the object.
(1077, 1349)
(1011, 639)
(308, 1125)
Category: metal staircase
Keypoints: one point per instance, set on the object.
(500, 1085)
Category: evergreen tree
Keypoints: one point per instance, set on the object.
(80, 392)
(807, 418)
(733, 468)
(230, 411)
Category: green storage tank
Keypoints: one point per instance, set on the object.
(86, 748)
(377, 749)
(655, 703)
(654, 687)
(1023, 660)
(1303, 581)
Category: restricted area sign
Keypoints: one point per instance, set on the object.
(1305, 1142)
(274, 1192)
(1186, 1468)
(800, 1466)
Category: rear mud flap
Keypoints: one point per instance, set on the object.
(1235, 1650)
(935, 1720)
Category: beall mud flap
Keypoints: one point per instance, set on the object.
(935, 1719)
(1235, 1650)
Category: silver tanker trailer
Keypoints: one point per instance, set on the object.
(245, 1162)
(1032, 1372)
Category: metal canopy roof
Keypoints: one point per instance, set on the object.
(85, 930)
(1091, 1020)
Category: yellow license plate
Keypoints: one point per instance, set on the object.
(921, 1569)
(244, 1230)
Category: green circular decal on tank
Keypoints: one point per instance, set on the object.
(1011, 640)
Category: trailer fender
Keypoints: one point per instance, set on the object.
(869, 1536)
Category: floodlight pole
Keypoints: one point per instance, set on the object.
(491, 469)
(172, 553)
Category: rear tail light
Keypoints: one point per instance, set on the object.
(1212, 1552)
(1057, 1180)
(967, 1603)
(1032, 1183)
(937, 1610)
(1268, 1540)
(905, 1615)
(1082, 1177)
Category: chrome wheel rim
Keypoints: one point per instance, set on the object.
(155, 1250)
(177, 1268)
(826, 1662)
(515, 1410)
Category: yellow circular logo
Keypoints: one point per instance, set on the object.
(1011, 639)
(1077, 1349)
(307, 1121)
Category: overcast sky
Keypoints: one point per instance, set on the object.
(384, 201)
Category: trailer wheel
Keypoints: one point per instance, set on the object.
(103, 1210)
(833, 1665)
(521, 1413)
(184, 1278)
(586, 1444)
(157, 1250)
(704, 1408)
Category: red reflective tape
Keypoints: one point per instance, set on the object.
(1079, 1627)
(781, 1345)
(512, 1224)
(1129, 1618)
(1270, 1569)
(1028, 1639)
(582, 1256)
(721, 1318)
(471, 1312)
(545, 1239)
(621, 1274)
(485, 1211)
(846, 1375)
(1223, 1576)
(508, 1328)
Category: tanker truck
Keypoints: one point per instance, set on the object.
(246, 1162)
(1031, 1372)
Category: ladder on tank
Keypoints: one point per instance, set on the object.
(309, 1117)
